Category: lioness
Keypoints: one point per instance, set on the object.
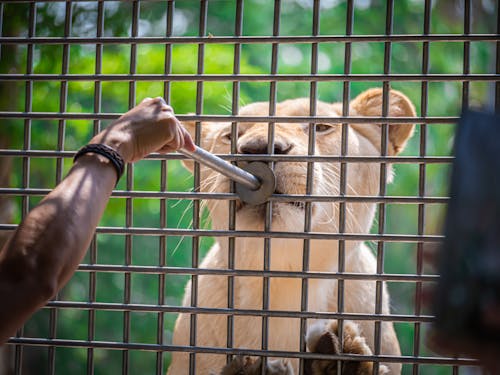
(287, 254)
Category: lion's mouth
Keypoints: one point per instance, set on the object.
(300, 205)
(297, 204)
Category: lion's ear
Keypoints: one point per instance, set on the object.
(369, 103)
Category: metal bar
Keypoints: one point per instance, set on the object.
(168, 50)
(202, 29)
(162, 251)
(93, 245)
(384, 139)
(343, 172)
(256, 273)
(232, 171)
(129, 204)
(257, 234)
(306, 250)
(232, 196)
(268, 39)
(61, 130)
(252, 352)
(497, 70)
(238, 30)
(162, 256)
(466, 62)
(424, 101)
(146, 308)
(257, 157)
(26, 163)
(1, 25)
(268, 216)
(199, 77)
(290, 119)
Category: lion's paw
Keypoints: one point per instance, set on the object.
(322, 337)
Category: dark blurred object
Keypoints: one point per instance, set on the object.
(467, 303)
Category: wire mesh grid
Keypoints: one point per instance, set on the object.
(67, 68)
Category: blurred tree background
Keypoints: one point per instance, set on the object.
(444, 99)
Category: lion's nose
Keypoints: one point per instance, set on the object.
(259, 145)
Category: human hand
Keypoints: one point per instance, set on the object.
(149, 127)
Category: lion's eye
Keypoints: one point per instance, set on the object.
(323, 128)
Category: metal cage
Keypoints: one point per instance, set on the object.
(70, 67)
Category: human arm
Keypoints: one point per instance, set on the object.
(48, 245)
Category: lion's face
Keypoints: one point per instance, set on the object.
(292, 139)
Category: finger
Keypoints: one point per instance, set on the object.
(145, 100)
(161, 100)
(166, 108)
(166, 149)
(188, 141)
(179, 137)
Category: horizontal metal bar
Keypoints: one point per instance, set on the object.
(111, 345)
(256, 273)
(257, 234)
(257, 157)
(220, 165)
(268, 39)
(237, 312)
(220, 118)
(230, 196)
(253, 77)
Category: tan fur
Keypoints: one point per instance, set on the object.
(286, 254)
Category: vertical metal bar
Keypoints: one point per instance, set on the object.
(162, 255)
(466, 65)
(424, 99)
(343, 170)
(63, 101)
(98, 65)
(96, 129)
(92, 298)
(497, 84)
(129, 204)
(383, 180)
(269, 209)
(161, 262)
(25, 201)
(196, 203)
(1, 26)
(63, 98)
(128, 261)
(313, 94)
(168, 50)
(238, 29)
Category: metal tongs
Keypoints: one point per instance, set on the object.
(255, 181)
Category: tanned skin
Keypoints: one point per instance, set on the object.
(45, 250)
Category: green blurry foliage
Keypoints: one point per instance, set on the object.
(444, 99)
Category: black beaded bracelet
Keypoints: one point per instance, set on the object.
(106, 151)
